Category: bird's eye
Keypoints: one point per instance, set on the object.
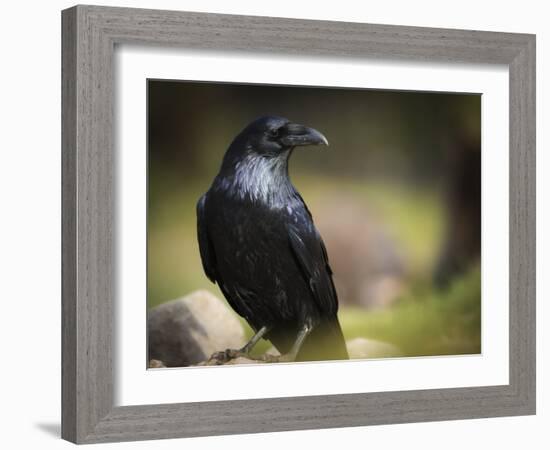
(273, 133)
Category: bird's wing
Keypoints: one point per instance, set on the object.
(206, 249)
(310, 253)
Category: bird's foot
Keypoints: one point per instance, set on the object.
(223, 357)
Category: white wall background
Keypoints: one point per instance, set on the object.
(30, 227)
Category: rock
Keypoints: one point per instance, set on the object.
(188, 330)
(272, 351)
(258, 359)
(361, 348)
(156, 364)
(241, 360)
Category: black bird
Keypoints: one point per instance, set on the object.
(258, 242)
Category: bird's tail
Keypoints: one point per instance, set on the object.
(325, 342)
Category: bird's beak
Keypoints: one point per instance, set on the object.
(296, 134)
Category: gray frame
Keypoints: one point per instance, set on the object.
(89, 36)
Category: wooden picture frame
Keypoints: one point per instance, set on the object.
(90, 34)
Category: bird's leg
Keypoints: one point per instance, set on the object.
(229, 354)
(254, 340)
(291, 355)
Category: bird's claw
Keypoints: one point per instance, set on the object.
(223, 357)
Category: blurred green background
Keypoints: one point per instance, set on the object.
(396, 197)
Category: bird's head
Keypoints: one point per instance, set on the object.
(256, 164)
(272, 136)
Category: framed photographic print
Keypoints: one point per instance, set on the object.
(279, 224)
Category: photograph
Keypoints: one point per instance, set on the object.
(290, 224)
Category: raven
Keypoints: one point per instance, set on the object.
(257, 240)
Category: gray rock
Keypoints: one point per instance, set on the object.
(156, 364)
(361, 348)
(241, 360)
(272, 351)
(188, 330)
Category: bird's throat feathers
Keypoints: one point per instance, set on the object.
(257, 178)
